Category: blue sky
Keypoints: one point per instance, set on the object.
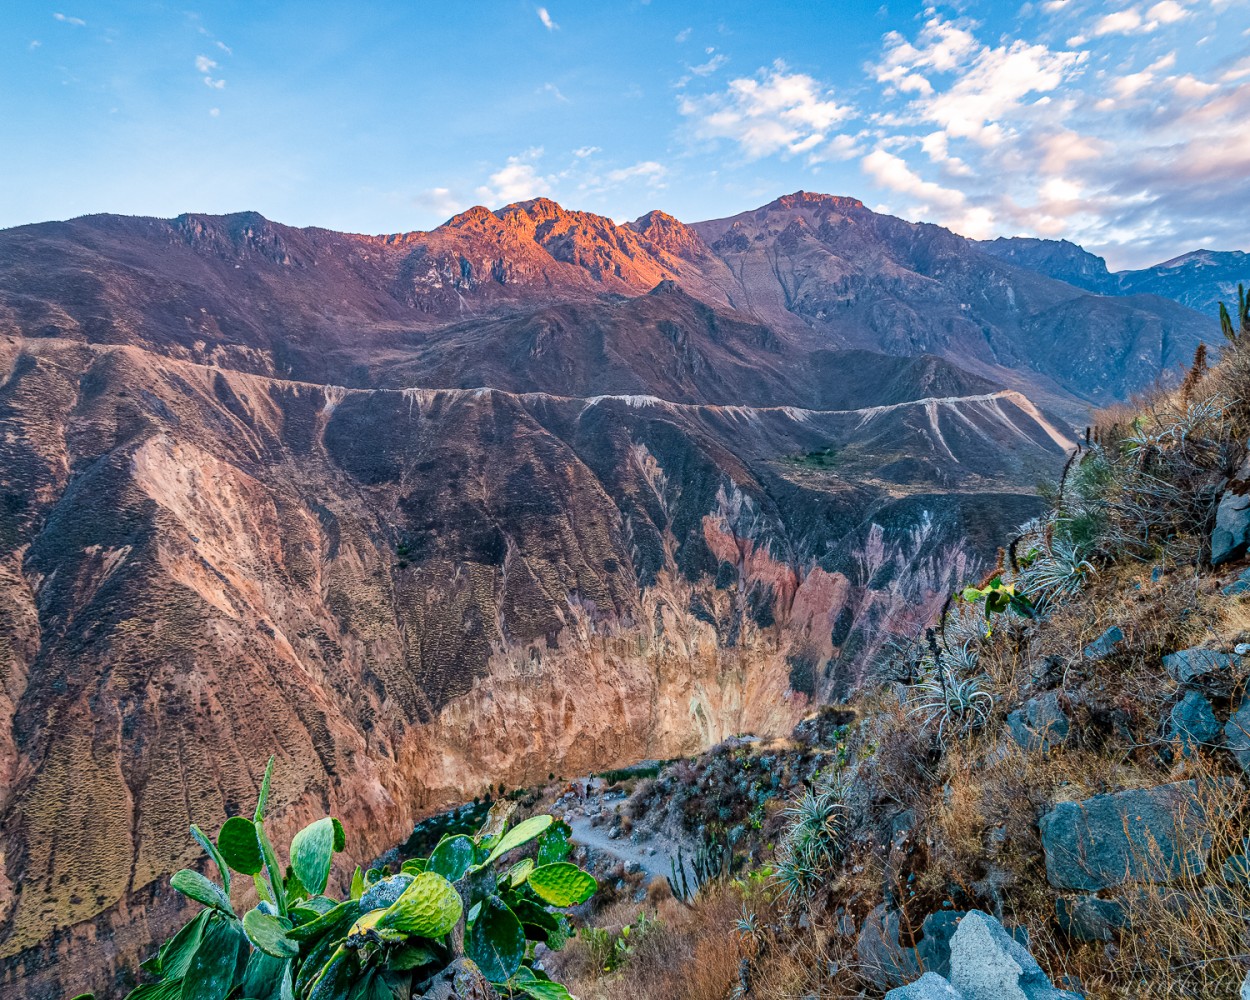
(1118, 124)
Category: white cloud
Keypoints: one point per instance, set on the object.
(892, 172)
(224, 48)
(206, 66)
(545, 17)
(1124, 22)
(35, 43)
(1107, 141)
(647, 170)
(516, 180)
(1167, 12)
(1133, 83)
(773, 112)
(711, 66)
(440, 200)
(682, 35)
(76, 22)
(584, 151)
(214, 112)
(554, 91)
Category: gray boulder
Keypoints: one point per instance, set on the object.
(934, 947)
(1239, 586)
(1088, 918)
(987, 963)
(1205, 669)
(883, 958)
(1193, 722)
(1231, 534)
(1142, 834)
(1040, 723)
(930, 986)
(1236, 868)
(1105, 644)
(1237, 735)
(1048, 671)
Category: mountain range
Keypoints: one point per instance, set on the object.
(530, 493)
(1200, 279)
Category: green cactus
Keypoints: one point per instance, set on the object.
(1236, 334)
(394, 934)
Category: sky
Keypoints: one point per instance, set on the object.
(1119, 125)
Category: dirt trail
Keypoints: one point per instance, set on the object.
(622, 848)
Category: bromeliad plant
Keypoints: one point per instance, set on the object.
(396, 935)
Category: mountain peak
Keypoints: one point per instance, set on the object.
(670, 234)
(814, 199)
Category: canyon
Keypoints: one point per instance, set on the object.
(530, 493)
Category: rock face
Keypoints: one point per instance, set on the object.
(1231, 535)
(422, 514)
(1040, 724)
(1237, 735)
(1147, 833)
(986, 963)
(883, 957)
(1105, 644)
(1193, 722)
(1088, 918)
(1200, 669)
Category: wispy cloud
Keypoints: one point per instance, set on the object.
(650, 171)
(715, 62)
(75, 22)
(682, 35)
(545, 17)
(775, 111)
(205, 66)
(584, 151)
(554, 91)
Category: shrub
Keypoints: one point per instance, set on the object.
(394, 935)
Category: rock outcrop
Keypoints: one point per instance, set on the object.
(986, 963)
(1136, 835)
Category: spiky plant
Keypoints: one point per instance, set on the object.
(949, 704)
(1234, 334)
(1060, 571)
(812, 843)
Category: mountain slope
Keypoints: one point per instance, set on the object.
(867, 280)
(1200, 280)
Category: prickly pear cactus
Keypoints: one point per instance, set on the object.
(445, 927)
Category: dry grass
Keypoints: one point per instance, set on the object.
(690, 954)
